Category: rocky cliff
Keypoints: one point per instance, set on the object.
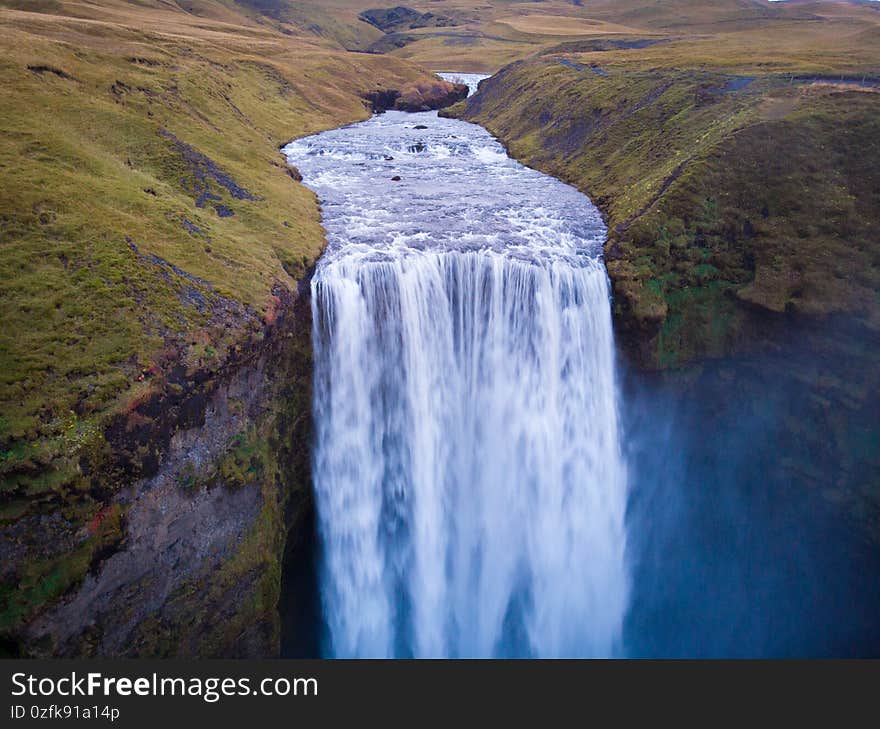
(184, 556)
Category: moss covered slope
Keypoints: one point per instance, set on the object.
(729, 196)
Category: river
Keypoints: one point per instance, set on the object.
(470, 487)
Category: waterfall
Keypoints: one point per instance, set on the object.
(470, 487)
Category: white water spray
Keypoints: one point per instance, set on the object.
(470, 487)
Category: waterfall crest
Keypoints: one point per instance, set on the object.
(470, 489)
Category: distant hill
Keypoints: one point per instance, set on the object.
(392, 20)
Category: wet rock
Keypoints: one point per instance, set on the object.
(396, 178)
(381, 99)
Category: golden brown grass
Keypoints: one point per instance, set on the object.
(494, 33)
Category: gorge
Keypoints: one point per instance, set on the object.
(469, 482)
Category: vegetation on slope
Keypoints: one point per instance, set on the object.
(147, 221)
(726, 191)
(150, 232)
(484, 36)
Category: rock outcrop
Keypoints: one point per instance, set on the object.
(421, 96)
(216, 466)
(392, 20)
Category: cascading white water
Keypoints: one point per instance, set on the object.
(469, 481)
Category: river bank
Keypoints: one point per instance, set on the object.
(152, 399)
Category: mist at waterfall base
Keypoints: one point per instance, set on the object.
(745, 538)
(474, 494)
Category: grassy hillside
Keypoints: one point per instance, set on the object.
(744, 186)
(151, 237)
(163, 140)
(149, 229)
(484, 36)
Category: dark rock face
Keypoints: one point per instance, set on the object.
(381, 99)
(209, 471)
(427, 97)
(417, 97)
